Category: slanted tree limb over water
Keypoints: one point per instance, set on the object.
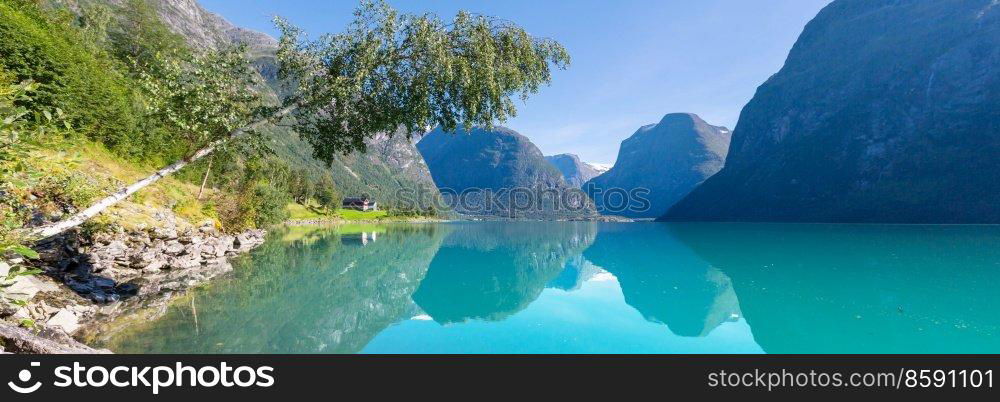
(387, 70)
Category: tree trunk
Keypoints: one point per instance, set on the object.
(204, 180)
(52, 229)
(55, 228)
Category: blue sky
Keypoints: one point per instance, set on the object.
(633, 61)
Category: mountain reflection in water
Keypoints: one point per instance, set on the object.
(584, 287)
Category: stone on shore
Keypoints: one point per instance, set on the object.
(110, 274)
(65, 320)
(26, 287)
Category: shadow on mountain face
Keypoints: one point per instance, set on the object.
(859, 288)
(663, 279)
(490, 271)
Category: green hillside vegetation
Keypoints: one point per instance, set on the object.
(354, 174)
(80, 78)
(88, 76)
(102, 133)
(298, 211)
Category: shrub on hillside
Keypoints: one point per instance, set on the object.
(72, 76)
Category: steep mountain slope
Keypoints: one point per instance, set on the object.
(499, 161)
(391, 168)
(574, 172)
(668, 159)
(391, 164)
(885, 111)
(204, 29)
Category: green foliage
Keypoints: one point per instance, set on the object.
(138, 36)
(23, 187)
(12, 272)
(260, 197)
(326, 194)
(269, 206)
(73, 76)
(13, 123)
(202, 96)
(89, 64)
(96, 19)
(301, 186)
(14, 128)
(416, 71)
(22, 251)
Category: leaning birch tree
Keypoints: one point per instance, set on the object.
(387, 70)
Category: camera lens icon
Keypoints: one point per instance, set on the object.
(24, 376)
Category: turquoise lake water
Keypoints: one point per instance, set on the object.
(546, 287)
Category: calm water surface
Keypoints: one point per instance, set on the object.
(596, 288)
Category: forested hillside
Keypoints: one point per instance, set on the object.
(87, 120)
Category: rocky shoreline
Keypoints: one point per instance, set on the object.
(90, 281)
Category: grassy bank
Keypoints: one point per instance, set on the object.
(72, 174)
(311, 212)
(305, 214)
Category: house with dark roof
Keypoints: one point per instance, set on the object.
(360, 204)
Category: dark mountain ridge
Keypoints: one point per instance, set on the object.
(885, 111)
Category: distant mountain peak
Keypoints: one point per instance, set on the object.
(574, 157)
(681, 117)
(495, 160)
(600, 167)
(574, 171)
(669, 158)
